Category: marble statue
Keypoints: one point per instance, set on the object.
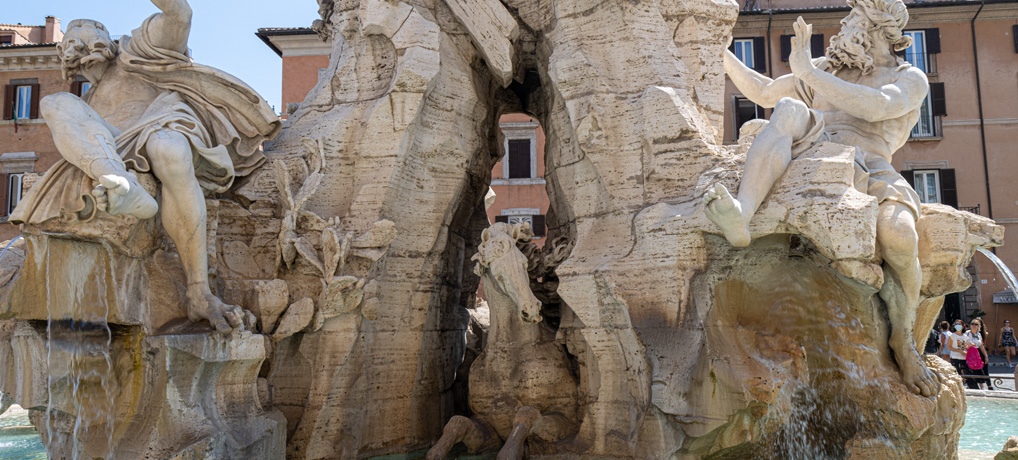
(860, 94)
(520, 385)
(150, 110)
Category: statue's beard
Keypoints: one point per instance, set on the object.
(850, 48)
(76, 65)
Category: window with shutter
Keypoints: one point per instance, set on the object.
(23, 101)
(759, 55)
(938, 99)
(948, 188)
(745, 110)
(8, 102)
(519, 158)
(927, 185)
(537, 223)
(13, 191)
(744, 50)
(817, 45)
(786, 47)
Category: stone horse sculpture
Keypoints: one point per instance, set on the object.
(521, 384)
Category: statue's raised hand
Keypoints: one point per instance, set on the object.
(801, 59)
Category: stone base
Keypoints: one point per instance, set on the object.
(173, 396)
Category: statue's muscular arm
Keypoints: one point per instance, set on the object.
(171, 28)
(871, 104)
(763, 91)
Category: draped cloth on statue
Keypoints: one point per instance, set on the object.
(223, 119)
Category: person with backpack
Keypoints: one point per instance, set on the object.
(979, 361)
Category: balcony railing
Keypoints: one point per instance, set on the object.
(972, 209)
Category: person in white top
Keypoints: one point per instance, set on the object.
(977, 338)
(957, 344)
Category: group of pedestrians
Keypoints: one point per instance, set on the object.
(964, 346)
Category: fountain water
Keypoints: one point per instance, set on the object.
(1008, 276)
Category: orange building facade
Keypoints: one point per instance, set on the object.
(963, 150)
(29, 70)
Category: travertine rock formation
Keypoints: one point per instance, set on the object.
(352, 248)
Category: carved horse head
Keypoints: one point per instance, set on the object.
(499, 257)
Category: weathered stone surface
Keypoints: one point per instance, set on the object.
(1009, 451)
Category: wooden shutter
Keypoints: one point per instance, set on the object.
(1014, 34)
(9, 102)
(817, 45)
(948, 188)
(909, 176)
(786, 47)
(519, 158)
(538, 225)
(76, 88)
(932, 40)
(938, 100)
(33, 110)
(503, 219)
(3, 193)
(759, 54)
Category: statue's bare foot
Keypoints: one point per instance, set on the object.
(726, 212)
(914, 372)
(201, 304)
(124, 195)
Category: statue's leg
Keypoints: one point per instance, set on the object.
(475, 434)
(766, 161)
(527, 418)
(87, 141)
(184, 219)
(899, 243)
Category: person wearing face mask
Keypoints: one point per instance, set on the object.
(957, 344)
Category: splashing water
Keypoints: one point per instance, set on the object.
(1008, 276)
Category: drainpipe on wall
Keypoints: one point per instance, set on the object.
(770, 55)
(982, 119)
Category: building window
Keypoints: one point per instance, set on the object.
(80, 86)
(516, 216)
(6, 39)
(925, 47)
(518, 155)
(745, 110)
(916, 54)
(751, 51)
(817, 46)
(744, 51)
(13, 191)
(934, 185)
(934, 108)
(23, 101)
(927, 185)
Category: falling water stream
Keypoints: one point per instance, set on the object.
(1008, 276)
(80, 369)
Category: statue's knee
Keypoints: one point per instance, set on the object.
(791, 108)
(898, 240)
(170, 154)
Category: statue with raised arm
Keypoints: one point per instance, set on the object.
(152, 110)
(860, 94)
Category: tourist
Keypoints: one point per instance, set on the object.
(957, 344)
(945, 333)
(1007, 341)
(978, 339)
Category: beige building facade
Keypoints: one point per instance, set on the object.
(962, 152)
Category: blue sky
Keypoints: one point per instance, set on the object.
(222, 31)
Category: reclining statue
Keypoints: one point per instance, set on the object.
(861, 94)
(150, 110)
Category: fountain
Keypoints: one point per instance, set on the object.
(310, 299)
